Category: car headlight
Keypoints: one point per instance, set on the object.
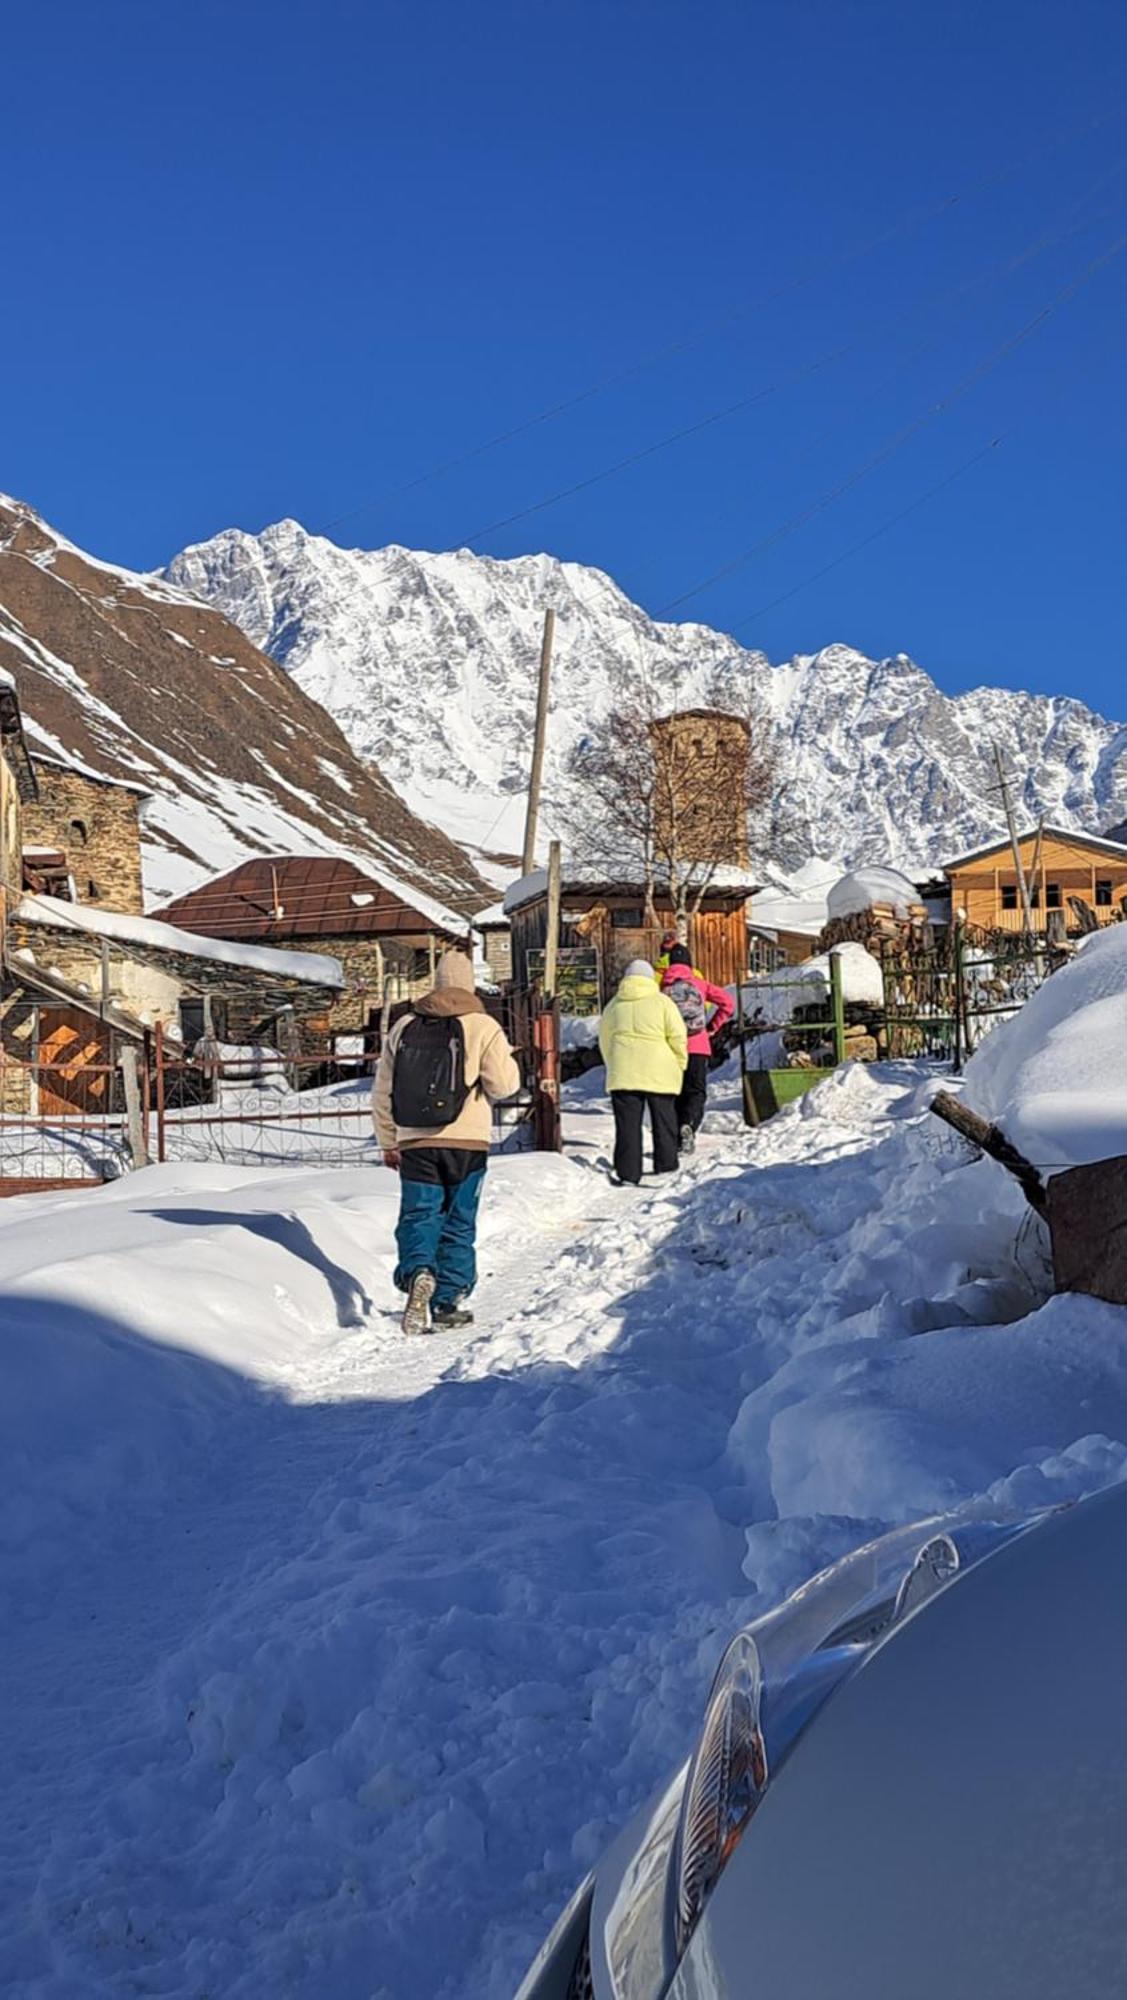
(772, 1680)
(727, 1779)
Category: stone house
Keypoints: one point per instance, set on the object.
(151, 972)
(82, 836)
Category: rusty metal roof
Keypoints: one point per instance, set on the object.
(294, 896)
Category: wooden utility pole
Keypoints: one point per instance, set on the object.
(528, 859)
(1022, 884)
(552, 942)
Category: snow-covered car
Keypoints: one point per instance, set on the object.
(911, 1779)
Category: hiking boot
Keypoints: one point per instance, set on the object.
(420, 1292)
(446, 1319)
(688, 1139)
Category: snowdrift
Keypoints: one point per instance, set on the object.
(777, 994)
(349, 1636)
(862, 887)
(1054, 1077)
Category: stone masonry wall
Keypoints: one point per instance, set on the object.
(98, 826)
(148, 982)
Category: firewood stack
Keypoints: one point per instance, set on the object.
(877, 926)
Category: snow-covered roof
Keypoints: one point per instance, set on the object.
(1099, 841)
(586, 875)
(53, 914)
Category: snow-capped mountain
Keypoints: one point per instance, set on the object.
(137, 680)
(429, 663)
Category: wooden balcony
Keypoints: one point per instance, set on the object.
(1014, 920)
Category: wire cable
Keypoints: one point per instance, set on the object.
(915, 219)
(908, 431)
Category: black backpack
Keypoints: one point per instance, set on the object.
(428, 1081)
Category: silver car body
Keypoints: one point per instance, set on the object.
(945, 1814)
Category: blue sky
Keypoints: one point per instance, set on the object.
(266, 260)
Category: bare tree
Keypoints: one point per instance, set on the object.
(609, 811)
(668, 796)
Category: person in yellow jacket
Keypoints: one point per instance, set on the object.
(644, 1044)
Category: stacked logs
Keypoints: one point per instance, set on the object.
(877, 926)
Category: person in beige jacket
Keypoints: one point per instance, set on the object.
(443, 1068)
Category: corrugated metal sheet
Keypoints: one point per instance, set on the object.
(294, 897)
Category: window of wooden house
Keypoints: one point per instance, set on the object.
(1035, 896)
(1009, 895)
(627, 919)
(1103, 895)
(1052, 896)
(79, 832)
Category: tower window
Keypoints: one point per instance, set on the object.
(79, 832)
(93, 893)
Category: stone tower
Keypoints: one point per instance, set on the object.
(702, 758)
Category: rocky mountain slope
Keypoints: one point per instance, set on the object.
(140, 681)
(428, 662)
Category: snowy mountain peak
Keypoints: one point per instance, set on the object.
(429, 663)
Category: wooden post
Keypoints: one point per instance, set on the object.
(147, 1094)
(552, 941)
(528, 858)
(992, 1140)
(158, 1039)
(1022, 884)
(837, 995)
(134, 1126)
(432, 956)
(961, 1035)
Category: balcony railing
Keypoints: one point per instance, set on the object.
(1014, 920)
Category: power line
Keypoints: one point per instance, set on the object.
(883, 529)
(908, 431)
(873, 332)
(915, 219)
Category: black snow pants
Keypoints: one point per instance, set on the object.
(694, 1093)
(629, 1106)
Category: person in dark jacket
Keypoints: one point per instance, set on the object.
(441, 1170)
(693, 996)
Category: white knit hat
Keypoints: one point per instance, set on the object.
(639, 968)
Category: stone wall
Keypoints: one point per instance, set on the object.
(368, 964)
(702, 760)
(11, 834)
(149, 983)
(98, 827)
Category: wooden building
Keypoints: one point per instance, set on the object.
(386, 938)
(1061, 869)
(607, 918)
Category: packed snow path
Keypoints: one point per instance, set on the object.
(330, 1663)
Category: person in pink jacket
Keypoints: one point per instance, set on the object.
(693, 996)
